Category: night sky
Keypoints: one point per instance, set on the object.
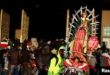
(47, 17)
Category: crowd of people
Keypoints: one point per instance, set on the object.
(40, 57)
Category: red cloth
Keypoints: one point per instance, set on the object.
(79, 40)
(85, 68)
(79, 55)
(71, 63)
(66, 64)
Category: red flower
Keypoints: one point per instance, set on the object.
(92, 42)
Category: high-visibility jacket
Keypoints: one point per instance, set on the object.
(55, 67)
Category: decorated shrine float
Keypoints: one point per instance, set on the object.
(81, 38)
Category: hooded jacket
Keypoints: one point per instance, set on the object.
(56, 64)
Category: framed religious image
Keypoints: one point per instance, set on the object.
(106, 31)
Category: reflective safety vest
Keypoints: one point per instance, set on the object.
(56, 67)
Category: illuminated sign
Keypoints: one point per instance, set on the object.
(106, 31)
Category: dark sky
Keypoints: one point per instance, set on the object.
(47, 17)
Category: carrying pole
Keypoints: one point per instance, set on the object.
(67, 34)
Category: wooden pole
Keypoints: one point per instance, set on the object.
(67, 34)
(1, 14)
(67, 26)
(86, 36)
(21, 35)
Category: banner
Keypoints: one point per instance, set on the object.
(4, 24)
(24, 26)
